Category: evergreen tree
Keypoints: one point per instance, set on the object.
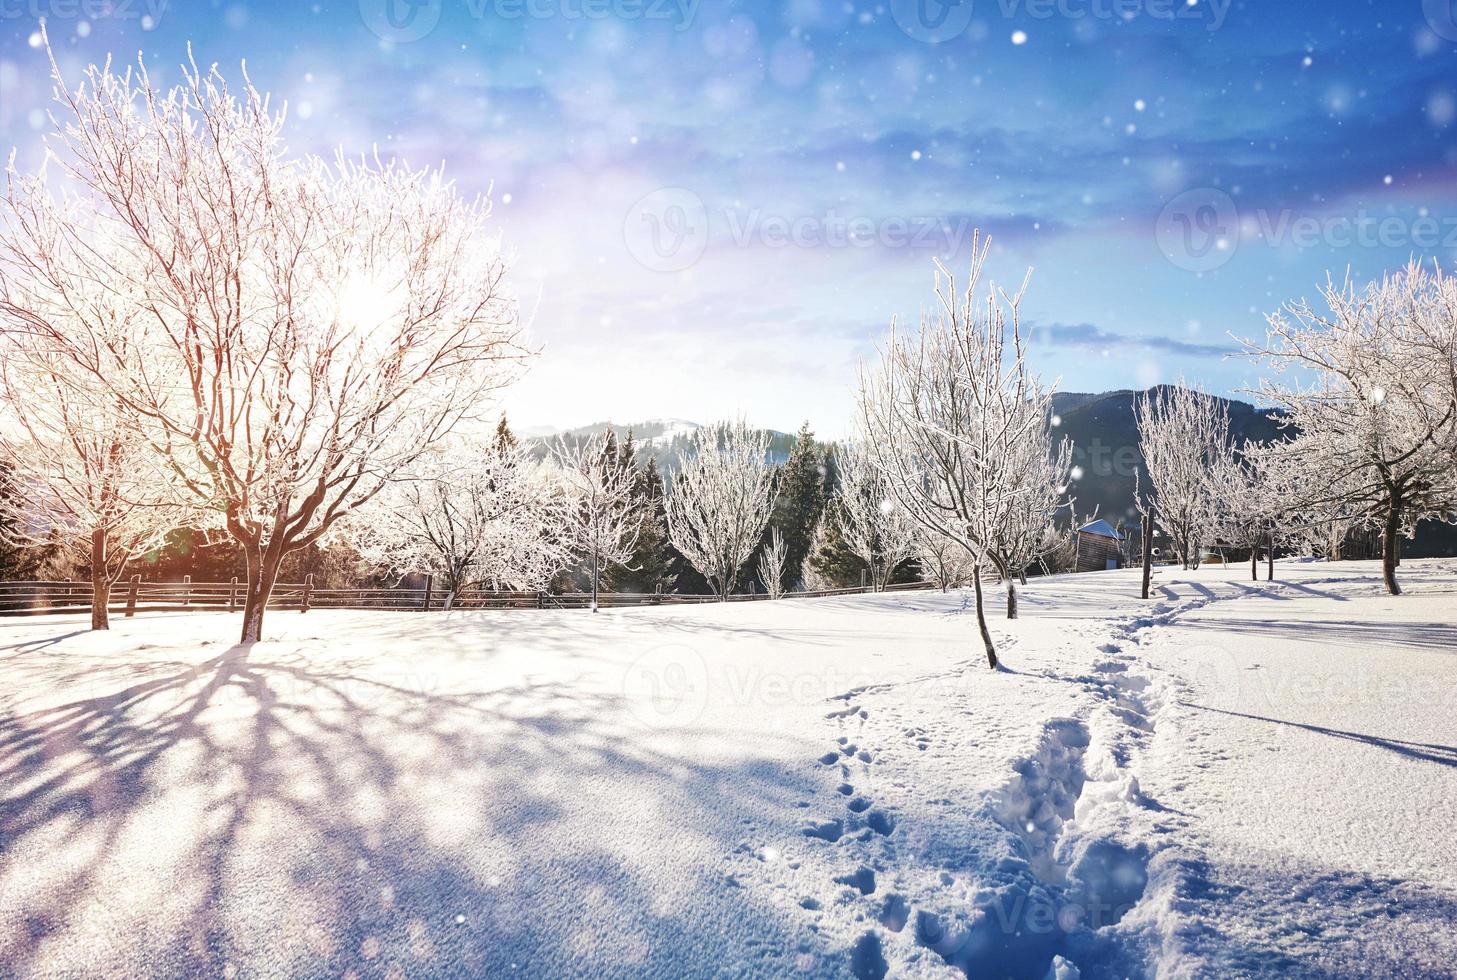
(801, 502)
(505, 438)
(655, 564)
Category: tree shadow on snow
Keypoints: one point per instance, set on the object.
(288, 816)
(1349, 635)
(1445, 755)
(1296, 919)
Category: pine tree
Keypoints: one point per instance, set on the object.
(800, 503)
(505, 438)
(829, 562)
(654, 566)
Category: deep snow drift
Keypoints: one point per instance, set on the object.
(1231, 779)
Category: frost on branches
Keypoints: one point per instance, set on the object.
(85, 477)
(955, 418)
(300, 331)
(1184, 434)
(1251, 504)
(772, 563)
(1369, 386)
(720, 501)
(476, 514)
(873, 525)
(604, 517)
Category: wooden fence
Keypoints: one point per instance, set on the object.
(33, 598)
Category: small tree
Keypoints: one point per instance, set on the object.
(942, 560)
(604, 519)
(872, 523)
(84, 476)
(1251, 504)
(720, 501)
(772, 564)
(1184, 435)
(949, 413)
(474, 513)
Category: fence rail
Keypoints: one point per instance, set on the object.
(35, 598)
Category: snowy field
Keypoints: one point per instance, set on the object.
(1233, 779)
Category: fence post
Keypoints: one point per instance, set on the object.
(429, 590)
(233, 595)
(187, 590)
(308, 592)
(133, 588)
(541, 600)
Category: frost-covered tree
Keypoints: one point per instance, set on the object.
(1250, 504)
(603, 520)
(1368, 389)
(1042, 468)
(1184, 435)
(475, 514)
(720, 501)
(942, 560)
(84, 477)
(949, 413)
(773, 564)
(305, 329)
(872, 523)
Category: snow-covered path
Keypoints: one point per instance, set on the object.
(1234, 779)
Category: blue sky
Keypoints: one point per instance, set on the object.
(717, 207)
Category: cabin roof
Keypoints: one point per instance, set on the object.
(1102, 529)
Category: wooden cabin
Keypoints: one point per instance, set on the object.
(1100, 547)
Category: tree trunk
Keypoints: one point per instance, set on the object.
(100, 583)
(596, 576)
(262, 576)
(1254, 563)
(1147, 552)
(1270, 559)
(981, 619)
(1390, 540)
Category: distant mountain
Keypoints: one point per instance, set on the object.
(663, 439)
(1107, 451)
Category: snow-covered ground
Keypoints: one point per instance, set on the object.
(1232, 779)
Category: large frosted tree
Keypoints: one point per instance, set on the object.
(949, 414)
(304, 329)
(1368, 384)
(720, 501)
